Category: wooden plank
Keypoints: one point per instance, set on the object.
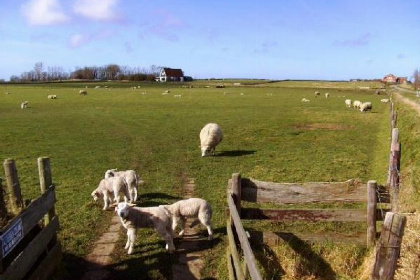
(229, 264)
(309, 215)
(20, 266)
(46, 268)
(371, 213)
(296, 193)
(34, 212)
(243, 239)
(388, 247)
(234, 253)
(276, 238)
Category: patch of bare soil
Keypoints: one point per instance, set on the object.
(101, 256)
(189, 251)
(325, 126)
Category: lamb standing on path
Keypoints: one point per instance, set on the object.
(191, 208)
(131, 177)
(210, 136)
(109, 186)
(133, 218)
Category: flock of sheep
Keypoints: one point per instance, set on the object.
(163, 218)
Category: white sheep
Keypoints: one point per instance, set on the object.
(82, 92)
(385, 100)
(305, 100)
(327, 94)
(210, 136)
(178, 95)
(157, 217)
(52, 96)
(366, 106)
(317, 93)
(24, 105)
(196, 208)
(356, 104)
(108, 187)
(348, 103)
(131, 177)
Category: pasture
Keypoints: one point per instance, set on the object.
(269, 133)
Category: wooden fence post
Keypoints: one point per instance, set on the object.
(236, 191)
(45, 181)
(371, 212)
(388, 247)
(13, 185)
(3, 208)
(394, 166)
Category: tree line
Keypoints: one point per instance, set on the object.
(41, 73)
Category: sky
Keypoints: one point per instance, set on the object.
(271, 39)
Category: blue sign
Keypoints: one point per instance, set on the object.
(11, 237)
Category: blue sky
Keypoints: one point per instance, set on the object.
(271, 39)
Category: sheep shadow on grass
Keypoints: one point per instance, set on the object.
(235, 153)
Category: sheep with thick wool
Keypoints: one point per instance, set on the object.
(210, 136)
(348, 103)
(130, 176)
(111, 187)
(196, 208)
(366, 106)
(157, 217)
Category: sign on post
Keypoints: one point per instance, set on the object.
(11, 237)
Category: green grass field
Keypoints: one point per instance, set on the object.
(269, 133)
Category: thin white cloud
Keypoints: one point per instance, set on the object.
(101, 10)
(363, 40)
(43, 12)
(77, 40)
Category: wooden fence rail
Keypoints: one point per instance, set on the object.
(29, 245)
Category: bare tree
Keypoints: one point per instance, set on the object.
(38, 69)
(416, 79)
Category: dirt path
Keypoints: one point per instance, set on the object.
(189, 250)
(101, 256)
(408, 102)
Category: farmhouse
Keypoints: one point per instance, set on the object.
(171, 75)
(390, 78)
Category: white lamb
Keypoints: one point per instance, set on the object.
(327, 95)
(133, 218)
(385, 100)
(108, 187)
(196, 208)
(356, 104)
(305, 100)
(131, 177)
(210, 136)
(348, 103)
(52, 96)
(24, 105)
(366, 106)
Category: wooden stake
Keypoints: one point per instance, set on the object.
(13, 185)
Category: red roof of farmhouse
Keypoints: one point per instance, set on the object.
(173, 72)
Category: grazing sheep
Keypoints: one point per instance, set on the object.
(317, 93)
(82, 92)
(385, 100)
(327, 95)
(133, 218)
(356, 104)
(24, 105)
(210, 136)
(366, 106)
(109, 186)
(131, 177)
(52, 96)
(305, 100)
(348, 103)
(178, 95)
(191, 208)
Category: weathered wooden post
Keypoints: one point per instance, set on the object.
(388, 247)
(236, 191)
(371, 212)
(3, 208)
(394, 169)
(45, 181)
(13, 185)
